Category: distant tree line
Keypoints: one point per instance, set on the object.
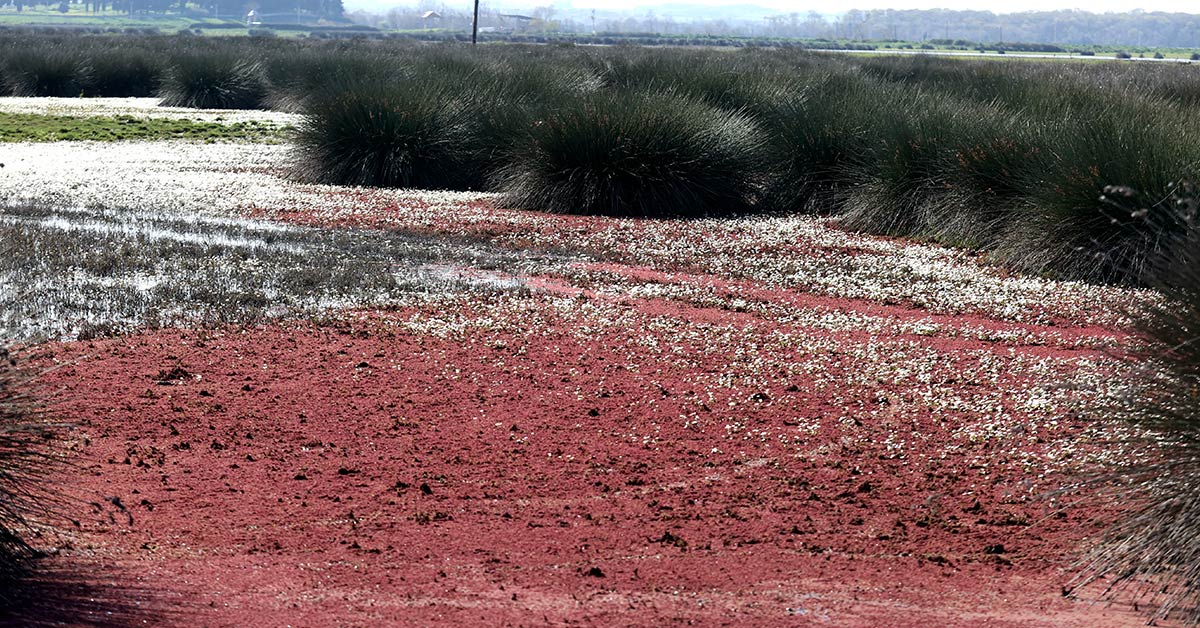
(1135, 28)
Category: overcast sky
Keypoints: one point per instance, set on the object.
(996, 6)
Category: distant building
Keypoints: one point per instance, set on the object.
(513, 22)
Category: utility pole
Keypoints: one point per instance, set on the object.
(475, 25)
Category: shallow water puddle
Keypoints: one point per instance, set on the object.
(78, 272)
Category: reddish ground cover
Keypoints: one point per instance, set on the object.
(496, 465)
(638, 439)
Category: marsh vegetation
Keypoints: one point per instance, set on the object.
(1064, 170)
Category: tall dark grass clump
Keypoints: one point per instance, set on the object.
(812, 134)
(1013, 85)
(52, 72)
(746, 81)
(404, 134)
(1068, 223)
(902, 170)
(980, 192)
(26, 459)
(213, 81)
(1153, 551)
(124, 73)
(547, 77)
(637, 155)
(1172, 84)
(502, 102)
(295, 80)
(497, 124)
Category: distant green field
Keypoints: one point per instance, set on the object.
(78, 17)
(24, 127)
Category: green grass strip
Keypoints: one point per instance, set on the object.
(27, 127)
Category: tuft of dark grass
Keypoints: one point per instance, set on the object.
(1010, 84)
(747, 81)
(26, 459)
(213, 81)
(406, 135)
(901, 171)
(1068, 224)
(637, 155)
(53, 72)
(1170, 82)
(550, 78)
(295, 80)
(448, 61)
(979, 194)
(1153, 550)
(59, 592)
(814, 131)
(124, 73)
(496, 124)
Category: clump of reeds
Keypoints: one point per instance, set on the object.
(633, 154)
(52, 72)
(294, 80)
(1153, 551)
(401, 134)
(213, 81)
(812, 133)
(901, 169)
(26, 460)
(123, 73)
(1068, 224)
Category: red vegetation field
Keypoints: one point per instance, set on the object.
(678, 424)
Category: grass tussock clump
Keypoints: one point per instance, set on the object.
(296, 80)
(54, 72)
(1153, 551)
(812, 134)
(124, 74)
(747, 80)
(398, 135)
(898, 173)
(628, 154)
(1069, 223)
(948, 171)
(535, 78)
(213, 81)
(26, 459)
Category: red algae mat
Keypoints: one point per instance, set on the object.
(630, 440)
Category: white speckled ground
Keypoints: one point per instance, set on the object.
(140, 108)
